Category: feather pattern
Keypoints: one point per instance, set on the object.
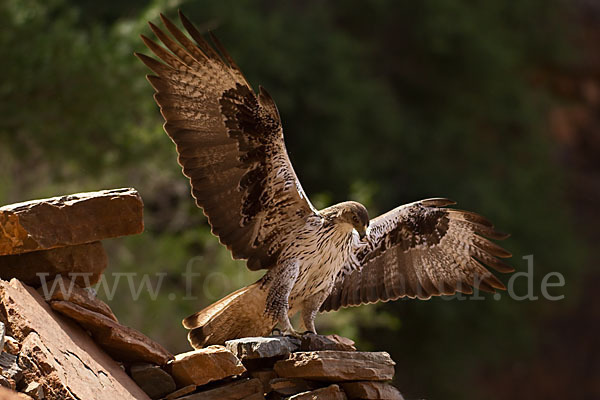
(230, 144)
(419, 250)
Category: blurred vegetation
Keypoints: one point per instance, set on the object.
(385, 102)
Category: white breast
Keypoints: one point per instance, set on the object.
(321, 252)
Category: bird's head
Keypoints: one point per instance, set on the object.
(353, 214)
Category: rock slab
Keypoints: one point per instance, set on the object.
(7, 394)
(206, 365)
(332, 392)
(371, 390)
(84, 263)
(69, 220)
(35, 390)
(290, 386)
(262, 347)
(313, 342)
(58, 354)
(264, 376)
(152, 379)
(335, 366)
(63, 289)
(237, 390)
(121, 342)
(181, 392)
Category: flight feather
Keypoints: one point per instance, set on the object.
(229, 142)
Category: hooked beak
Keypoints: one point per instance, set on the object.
(362, 233)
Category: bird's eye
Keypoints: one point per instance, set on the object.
(355, 219)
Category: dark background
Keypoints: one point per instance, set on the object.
(494, 104)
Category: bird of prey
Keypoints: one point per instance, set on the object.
(230, 144)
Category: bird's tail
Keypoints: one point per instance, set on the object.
(240, 314)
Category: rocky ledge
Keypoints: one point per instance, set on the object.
(65, 343)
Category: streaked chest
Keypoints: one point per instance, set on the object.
(321, 252)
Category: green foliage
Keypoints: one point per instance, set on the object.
(383, 101)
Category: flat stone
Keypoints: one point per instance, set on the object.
(264, 376)
(181, 392)
(236, 390)
(202, 366)
(7, 394)
(262, 347)
(121, 342)
(84, 263)
(312, 342)
(337, 366)
(152, 379)
(70, 220)
(290, 386)
(58, 354)
(67, 290)
(371, 390)
(34, 390)
(332, 392)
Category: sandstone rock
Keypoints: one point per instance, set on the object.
(65, 289)
(332, 392)
(371, 390)
(121, 342)
(7, 394)
(264, 376)
(337, 366)
(290, 386)
(152, 379)
(34, 390)
(11, 346)
(84, 263)
(58, 354)
(262, 347)
(312, 342)
(181, 392)
(206, 365)
(236, 390)
(69, 220)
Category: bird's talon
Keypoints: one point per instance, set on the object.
(292, 333)
(276, 332)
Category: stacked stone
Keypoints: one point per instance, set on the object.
(59, 341)
(62, 235)
(313, 367)
(54, 245)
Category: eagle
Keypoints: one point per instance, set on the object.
(230, 145)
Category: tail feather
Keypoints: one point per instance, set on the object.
(240, 314)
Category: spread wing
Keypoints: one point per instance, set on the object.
(230, 144)
(420, 250)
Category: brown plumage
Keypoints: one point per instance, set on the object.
(230, 145)
(240, 314)
(420, 250)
